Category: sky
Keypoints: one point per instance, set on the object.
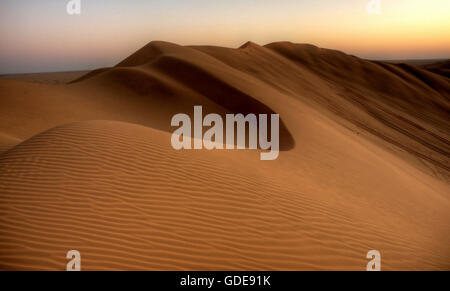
(40, 36)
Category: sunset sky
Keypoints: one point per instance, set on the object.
(39, 35)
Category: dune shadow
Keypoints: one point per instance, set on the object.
(220, 92)
(150, 81)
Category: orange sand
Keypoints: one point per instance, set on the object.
(364, 165)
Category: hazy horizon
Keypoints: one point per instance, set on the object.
(39, 35)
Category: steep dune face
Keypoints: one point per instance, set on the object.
(400, 104)
(365, 164)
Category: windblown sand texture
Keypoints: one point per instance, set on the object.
(364, 165)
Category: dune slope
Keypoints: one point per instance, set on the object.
(126, 200)
(364, 164)
(7, 142)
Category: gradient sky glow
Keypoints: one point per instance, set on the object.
(39, 36)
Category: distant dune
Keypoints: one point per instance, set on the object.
(364, 165)
(46, 78)
(441, 68)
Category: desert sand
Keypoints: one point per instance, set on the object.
(88, 164)
(46, 78)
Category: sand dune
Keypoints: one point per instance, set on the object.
(364, 164)
(441, 68)
(55, 78)
(7, 142)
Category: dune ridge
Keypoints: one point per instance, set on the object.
(365, 164)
